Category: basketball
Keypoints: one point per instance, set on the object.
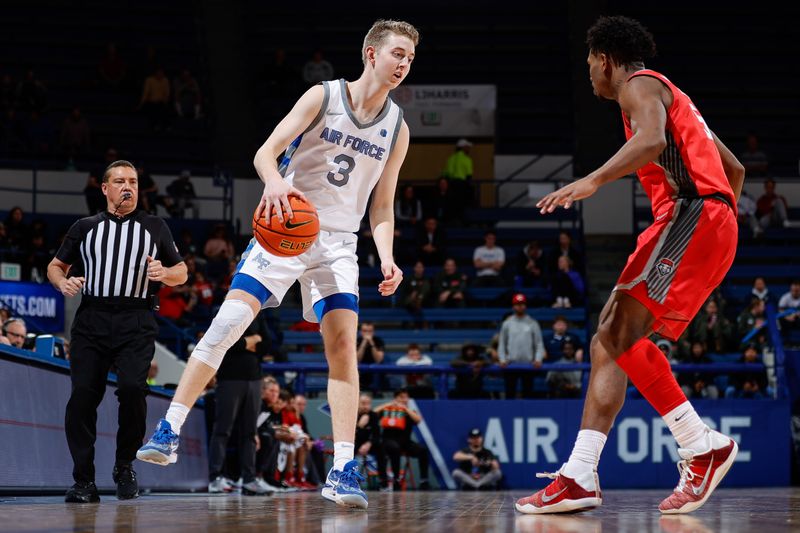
(290, 237)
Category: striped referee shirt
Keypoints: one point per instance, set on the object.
(112, 253)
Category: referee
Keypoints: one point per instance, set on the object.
(123, 255)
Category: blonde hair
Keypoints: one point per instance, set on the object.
(380, 31)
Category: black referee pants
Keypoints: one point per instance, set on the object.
(237, 403)
(102, 337)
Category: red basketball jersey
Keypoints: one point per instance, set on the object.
(690, 165)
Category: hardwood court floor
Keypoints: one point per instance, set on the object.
(731, 510)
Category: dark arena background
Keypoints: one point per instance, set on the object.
(81, 86)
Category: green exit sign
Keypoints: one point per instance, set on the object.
(10, 271)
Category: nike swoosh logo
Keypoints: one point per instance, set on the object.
(291, 225)
(679, 417)
(546, 498)
(699, 490)
(659, 217)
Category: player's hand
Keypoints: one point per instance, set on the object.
(566, 196)
(71, 286)
(155, 270)
(276, 196)
(392, 276)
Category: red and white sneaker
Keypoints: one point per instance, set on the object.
(564, 494)
(700, 474)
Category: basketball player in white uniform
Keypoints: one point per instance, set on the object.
(344, 140)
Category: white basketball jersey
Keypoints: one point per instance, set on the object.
(337, 161)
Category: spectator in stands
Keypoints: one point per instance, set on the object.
(93, 192)
(430, 242)
(397, 421)
(37, 257)
(789, 301)
(204, 293)
(478, 468)
(747, 209)
(182, 195)
(3, 241)
(488, 261)
(711, 329)
(698, 384)
(418, 385)
(416, 291)
(469, 385)
(40, 134)
(218, 251)
(31, 93)
(444, 205)
(520, 343)
(16, 332)
(186, 245)
(112, 68)
(760, 290)
(17, 231)
(408, 208)
(752, 317)
(315, 460)
(148, 192)
(271, 433)
(5, 313)
(155, 99)
(187, 96)
(752, 384)
(13, 138)
(297, 450)
(565, 384)
(368, 436)
(449, 286)
(754, 160)
(75, 137)
(458, 170)
(667, 347)
(532, 265)
(317, 69)
(568, 288)
(8, 93)
(555, 339)
(280, 77)
(566, 248)
(177, 304)
(772, 208)
(370, 350)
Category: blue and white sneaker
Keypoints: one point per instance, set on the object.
(161, 447)
(344, 487)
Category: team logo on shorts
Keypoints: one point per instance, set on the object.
(262, 262)
(665, 266)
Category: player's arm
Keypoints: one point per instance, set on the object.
(734, 170)
(381, 214)
(641, 100)
(57, 274)
(276, 190)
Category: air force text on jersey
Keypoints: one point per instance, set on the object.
(358, 145)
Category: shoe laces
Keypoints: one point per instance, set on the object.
(687, 474)
(351, 477)
(126, 471)
(163, 435)
(549, 475)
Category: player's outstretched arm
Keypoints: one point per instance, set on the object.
(381, 214)
(276, 190)
(734, 170)
(641, 100)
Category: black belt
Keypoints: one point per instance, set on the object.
(119, 303)
(716, 196)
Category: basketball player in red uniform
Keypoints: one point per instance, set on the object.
(693, 182)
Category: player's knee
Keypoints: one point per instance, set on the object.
(227, 327)
(341, 345)
(610, 339)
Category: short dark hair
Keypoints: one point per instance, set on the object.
(624, 40)
(413, 346)
(401, 390)
(115, 164)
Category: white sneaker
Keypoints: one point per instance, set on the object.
(257, 487)
(219, 485)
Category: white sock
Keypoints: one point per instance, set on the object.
(342, 454)
(687, 428)
(585, 454)
(176, 416)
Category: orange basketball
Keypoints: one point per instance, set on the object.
(290, 237)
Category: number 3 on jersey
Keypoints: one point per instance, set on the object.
(344, 169)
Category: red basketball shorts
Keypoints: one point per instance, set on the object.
(679, 260)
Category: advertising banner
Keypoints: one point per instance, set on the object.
(40, 302)
(448, 110)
